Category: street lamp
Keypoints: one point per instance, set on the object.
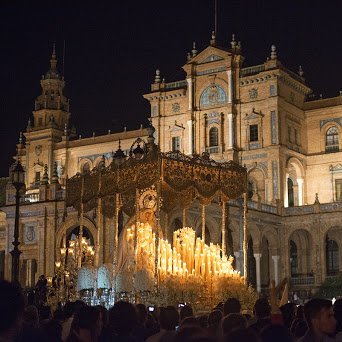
(17, 175)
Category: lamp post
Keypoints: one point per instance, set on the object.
(17, 175)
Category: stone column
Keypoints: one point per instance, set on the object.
(286, 193)
(300, 182)
(230, 86)
(230, 130)
(204, 133)
(276, 271)
(189, 80)
(257, 257)
(190, 149)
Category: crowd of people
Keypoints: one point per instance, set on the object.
(317, 320)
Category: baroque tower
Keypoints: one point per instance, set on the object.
(50, 122)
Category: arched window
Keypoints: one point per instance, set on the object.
(85, 168)
(331, 140)
(213, 136)
(332, 255)
(293, 259)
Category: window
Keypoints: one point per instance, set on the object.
(272, 90)
(37, 178)
(331, 140)
(332, 255)
(175, 144)
(296, 137)
(338, 189)
(293, 259)
(250, 190)
(40, 121)
(290, 192)
(253, 133)
(213, 136)
(289, 138)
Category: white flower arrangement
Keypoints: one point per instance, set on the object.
(103, 277)
(85, 279)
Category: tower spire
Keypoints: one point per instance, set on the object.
(53, 60)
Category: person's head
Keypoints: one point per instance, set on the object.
(232, 305)
(31, 317)
(275, 332)
(242, 335)
(51, 330)
(319, 315)
(142, 313)
(12, 305)
(300, 312)
(288, 311)
(123, 317)
(300, 329)
(232, 322)
(86, 323)
(262, 308)
(214, 318)
(185, 311)
(190, 321)
(338, 314)
(168, 318)
(69, 309)
(103, 315)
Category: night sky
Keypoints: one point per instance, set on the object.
(112, 52)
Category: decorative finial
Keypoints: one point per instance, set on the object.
(93, 134)
(188, 56)
(300, 71)
(163, 80)
(53, 60)
(213, 38)
(320, 96)
(239, 46)
(29, 124)
(125, 129)
(45, 179)
(20, 137)
(157, 77)
(54, 177)
(80, 137)
(141, 126)
(273, 52)
(233, 42)
(109, 131)
(65, 129)
(316, 199)
(194, 51)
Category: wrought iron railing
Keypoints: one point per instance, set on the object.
(302, 280)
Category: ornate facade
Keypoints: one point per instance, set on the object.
(260, 116)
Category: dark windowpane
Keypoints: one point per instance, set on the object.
(213, 137)
(253, 133)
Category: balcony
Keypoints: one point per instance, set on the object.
(302, 280)
(332, 148)
(213, 149)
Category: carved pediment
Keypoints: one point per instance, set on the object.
(254, 115)
(211, 58)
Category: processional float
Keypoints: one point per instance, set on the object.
(146, 185)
